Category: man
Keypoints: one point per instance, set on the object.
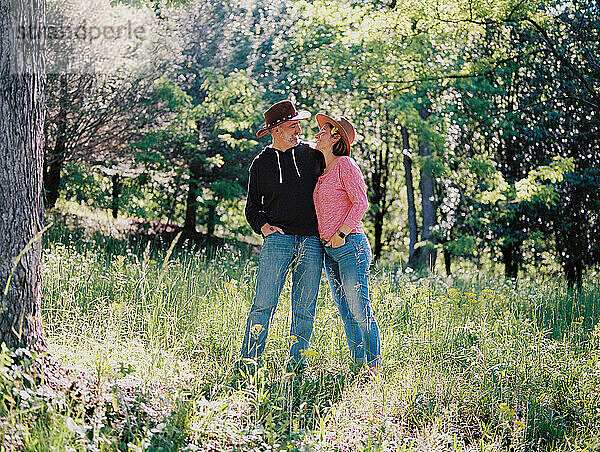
(280, 206)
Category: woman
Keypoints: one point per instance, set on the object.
(340, 198)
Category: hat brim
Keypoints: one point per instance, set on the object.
(302, 114)
(323, 119)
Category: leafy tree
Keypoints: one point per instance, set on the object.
(102, 64)
(515, 118)
(212, 140)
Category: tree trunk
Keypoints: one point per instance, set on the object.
(191, 206)
(427, 210)
(211, 219)
(116, 191)
(573, 269)
(510, 257)
(428, 206)
(378, 234)
(56, 158)
(380, 179)
(448, 262)
(21, 160)
(53, 168)
(410, 196)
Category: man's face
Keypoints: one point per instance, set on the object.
(288, 132)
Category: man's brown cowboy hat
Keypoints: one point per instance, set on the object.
(279, 113)
(345, 128)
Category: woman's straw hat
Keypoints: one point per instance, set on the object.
(345, 127)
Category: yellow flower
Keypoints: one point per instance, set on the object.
(308, 352)
(577, 322)
(520, 424)
(504, 408)
(453, 293)
(256, 329)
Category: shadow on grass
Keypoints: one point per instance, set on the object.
(289, 406)
(136, 236)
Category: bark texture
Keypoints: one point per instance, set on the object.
(410, 196)
(428, 205)
(21, 150)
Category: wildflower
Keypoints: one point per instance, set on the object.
(520, 424)
(293, 340)
(504, 408)
(577, 322)
(308, 352)
(256, 329)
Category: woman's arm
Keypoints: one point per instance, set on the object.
(356, 189)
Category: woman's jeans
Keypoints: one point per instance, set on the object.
(347, 269)
(281, 253)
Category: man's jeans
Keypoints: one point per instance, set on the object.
(281, 253)
(347, 269)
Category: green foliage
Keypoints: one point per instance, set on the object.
(82, 185)
(143, 195)
(498, 91)
(211, 138)
(37, 417)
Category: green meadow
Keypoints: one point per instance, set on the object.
(146, 338)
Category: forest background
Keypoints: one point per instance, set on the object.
(127, 275)
(478, 121)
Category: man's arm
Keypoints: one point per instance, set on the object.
(254, 213)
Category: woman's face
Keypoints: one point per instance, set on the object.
(325, 138)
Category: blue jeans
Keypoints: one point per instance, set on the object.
(281, 253)
(347, 269)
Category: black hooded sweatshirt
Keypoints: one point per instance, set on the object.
(280, 189)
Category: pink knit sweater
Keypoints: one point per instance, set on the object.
(340, 198)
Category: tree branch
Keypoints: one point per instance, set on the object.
(496, 65)
(565, 61)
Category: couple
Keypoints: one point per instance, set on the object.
(308, 205)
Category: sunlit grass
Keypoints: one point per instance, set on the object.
(469, 364)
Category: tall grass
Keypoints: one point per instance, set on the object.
(470, 363)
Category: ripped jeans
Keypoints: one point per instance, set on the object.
(347, 269)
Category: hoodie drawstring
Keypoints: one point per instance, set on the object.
(295, 164)
(279, 165)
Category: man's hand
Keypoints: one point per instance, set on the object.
(336, 241)
(268, 229)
